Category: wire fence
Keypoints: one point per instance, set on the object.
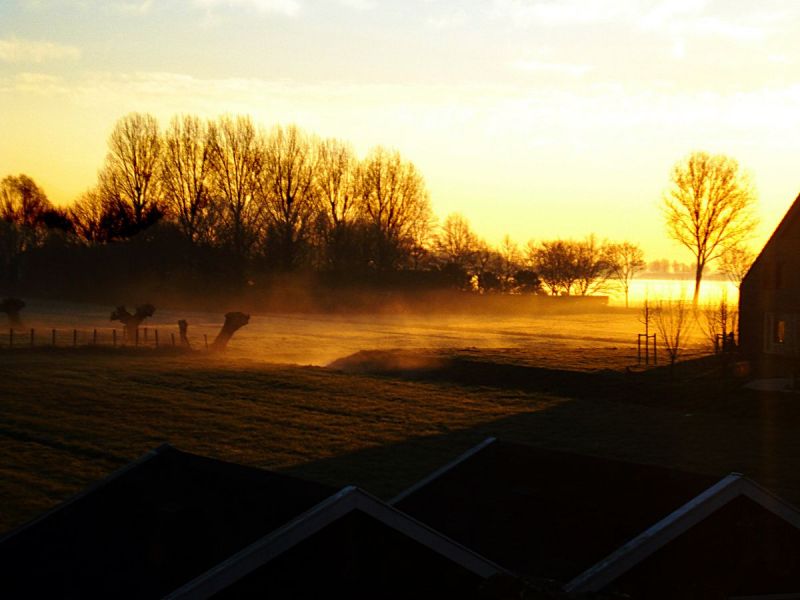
(144, 337)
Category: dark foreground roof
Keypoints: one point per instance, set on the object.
(350, 545)
(543, 513)
(149, 528)
(735, 539)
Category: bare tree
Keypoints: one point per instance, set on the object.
(335, 180)
(673, 320)
(510, 264)
(708, 208)
(23, 206)
(186, 177)
(393, 200)
(22, 201)
(624, 261)
(88, 215)
(554, 261)
(456, 243)
(289, 192)
(591, 268)
(130, 174)
(237, 153)
(336, 168)
(718, 323)
(735, 262)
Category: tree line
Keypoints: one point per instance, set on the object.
(225, 200)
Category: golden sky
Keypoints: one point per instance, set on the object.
(536, 118)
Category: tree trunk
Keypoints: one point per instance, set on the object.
(183, 328)
(130, 321)
(233, 322)
(12, 306)
(698, 276)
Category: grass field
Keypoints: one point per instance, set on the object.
(70, 416)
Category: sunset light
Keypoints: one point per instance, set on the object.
(537, 119)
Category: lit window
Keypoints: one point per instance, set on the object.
(780, 332)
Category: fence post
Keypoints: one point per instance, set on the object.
(172, 335)
(205, 337)
(145, 336)
(136, 337)
(94, 337)
(114, 338)
(155, 333)
(32, 334)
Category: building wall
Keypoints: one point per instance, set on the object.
(769, 305)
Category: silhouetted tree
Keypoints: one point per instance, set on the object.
(25, 214)
(289, 193)
(591, 267)
(735, 262)
(717, 322)
(233, 322)
(12, 308)
(186, 171)
(673, 320)
(527, 281)
(509, 263)
(624, 261)
(129, 180)
(456, 243)
(238, 161)
(335, 180)
(130, 321)
(392, 199)
(555, 263)
(708, 208)
(22, 201)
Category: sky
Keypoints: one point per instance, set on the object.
(534, 118)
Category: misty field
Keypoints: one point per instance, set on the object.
(419, 391)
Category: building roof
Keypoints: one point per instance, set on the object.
(713, 500)
(351, 543)
(149, 528)
(543, 513)
(792, 216)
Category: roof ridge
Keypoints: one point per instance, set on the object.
(442, 470)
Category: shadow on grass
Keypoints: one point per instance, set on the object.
(705, 379)
(696, 420)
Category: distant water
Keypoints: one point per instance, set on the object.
(711, 291)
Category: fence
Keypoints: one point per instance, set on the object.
(145, 337)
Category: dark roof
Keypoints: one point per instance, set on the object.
(150, 527)
(543, 513)
(740, 550)
(792, 215)
(735, 538)
(350, 545)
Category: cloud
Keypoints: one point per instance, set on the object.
(358, 4)
(697, 18)
(289, 8)
(135, 7)
(16, 50)
(564, 12)
(452, 20)
(533, 66)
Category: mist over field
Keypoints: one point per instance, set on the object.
(316, 338)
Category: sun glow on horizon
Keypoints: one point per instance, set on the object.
(535, 119)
